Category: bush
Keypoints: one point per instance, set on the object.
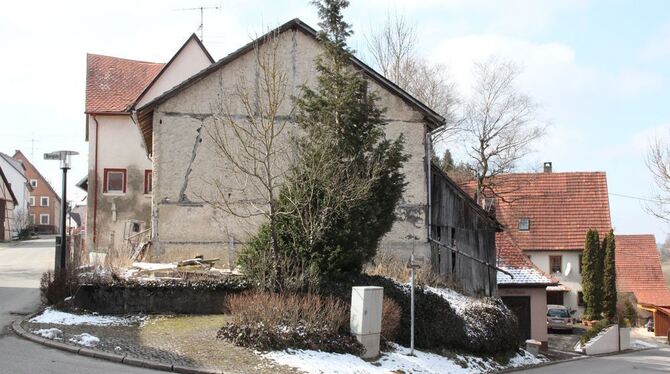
(269, 321)
(491, 327)
(436, 324)
(55, 287)
(595, 329)
(391, 313)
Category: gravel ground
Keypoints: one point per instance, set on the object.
(178, 340)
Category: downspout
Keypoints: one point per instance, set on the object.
(95, 183)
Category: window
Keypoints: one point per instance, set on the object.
(148, 179)
(31, 202)
(33, 183)
(114, 181)
(580, 264)
(44, 201)
(580, 299)
(44, 219)
(555, 264)
(524, 224)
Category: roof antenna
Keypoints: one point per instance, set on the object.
(202, 18)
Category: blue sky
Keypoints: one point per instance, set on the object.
(599, 69)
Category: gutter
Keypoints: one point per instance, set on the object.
(454, 249)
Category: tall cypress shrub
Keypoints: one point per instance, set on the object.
(609, 277)
(592, 275)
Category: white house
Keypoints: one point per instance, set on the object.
(119, 181)
(15, 172)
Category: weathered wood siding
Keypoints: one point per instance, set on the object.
(458, 222)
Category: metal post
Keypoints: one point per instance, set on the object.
(411, 265)
(63, 210)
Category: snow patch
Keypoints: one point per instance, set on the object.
(153, 266)
(57, 317)
(457, 301)
(52, 333)
(640, 344)
(85, 339)
(397, 361)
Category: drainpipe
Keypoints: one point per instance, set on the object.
(95, 183)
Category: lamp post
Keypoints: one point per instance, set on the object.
(65, 160)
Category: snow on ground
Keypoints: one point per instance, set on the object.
(85, 339)
(153, 266)
(52, 333)
(640, 344)
(397, 361)
(57, 317)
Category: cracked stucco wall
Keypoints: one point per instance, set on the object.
(184, 162)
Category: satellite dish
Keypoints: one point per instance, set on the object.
(568, 267)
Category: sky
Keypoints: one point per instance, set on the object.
(600, 70)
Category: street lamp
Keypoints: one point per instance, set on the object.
(65, 161)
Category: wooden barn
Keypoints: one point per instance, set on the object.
(462, 236)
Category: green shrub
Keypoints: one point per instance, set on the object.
(269, 321)
(594, 330)
(490, 327)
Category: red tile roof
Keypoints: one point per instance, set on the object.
(638, 269)
(512, 259)
(561, 207)
(113, 84)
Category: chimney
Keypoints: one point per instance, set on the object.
(547, 167)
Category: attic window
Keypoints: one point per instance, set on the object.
(33, 183)
(524, 224)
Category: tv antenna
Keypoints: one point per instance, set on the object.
(202, 10)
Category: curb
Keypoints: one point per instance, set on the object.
(121, 359)
(577, 358)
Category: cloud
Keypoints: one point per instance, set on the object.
(658, 45)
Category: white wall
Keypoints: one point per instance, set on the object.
(18, 183)
(573, 280)
(538, 309)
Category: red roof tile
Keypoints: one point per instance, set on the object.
(561, 207)
(113, 84)
(511, 257)
(638, 269)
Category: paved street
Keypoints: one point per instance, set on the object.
(21, 265)
(650, 361)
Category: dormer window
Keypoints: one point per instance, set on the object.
(524, 224)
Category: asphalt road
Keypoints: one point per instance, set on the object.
(21, 266)
(652, 361)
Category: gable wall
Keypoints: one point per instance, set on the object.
(188, 227)
(41, 190)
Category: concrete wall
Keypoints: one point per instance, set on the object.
(120, 147)
(609, 341)
(184, 159)
(573, 280)
(538, 310)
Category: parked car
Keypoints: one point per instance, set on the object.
(650, 325)
(559, 318)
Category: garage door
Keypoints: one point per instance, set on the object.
(520, 305)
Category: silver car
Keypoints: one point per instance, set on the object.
(558, 318)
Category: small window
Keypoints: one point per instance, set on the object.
(44, 201)
(524, 224)
(555, 264)
(31, 202)
(148, 180)
(580, 299)
(44, 219)
(33, 183)
(580, 264)
(115, 181)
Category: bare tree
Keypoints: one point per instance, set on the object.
(393, 50)
(658, 162)
(21, 221)
(500, 123)
(251, 137)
